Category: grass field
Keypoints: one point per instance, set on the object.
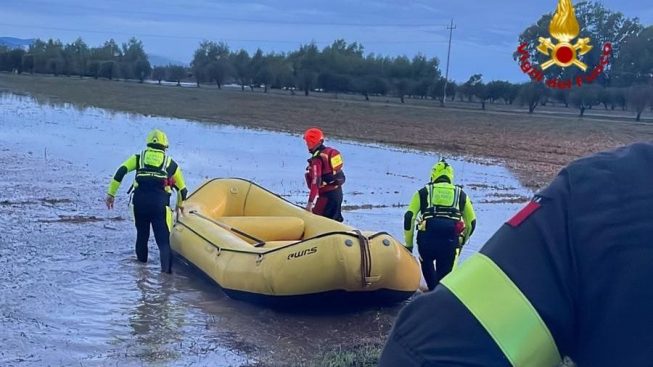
(534, 146)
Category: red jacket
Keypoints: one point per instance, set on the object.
(324, 171)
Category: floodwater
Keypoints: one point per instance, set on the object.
(71, 292)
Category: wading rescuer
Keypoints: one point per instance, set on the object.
(445, 220)
(156, 175)
(324, 177)
(568, 275)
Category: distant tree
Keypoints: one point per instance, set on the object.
(421, 87)
(605, 97)
(15, 59)
(306, 80)
(218, 71)
(264, 77)
(55, 65)
(306, 62)
(28, 63)
(3, 59)
(159, 73)
(584, 97)
(108, 69)
(125, 70)
(562, 96)
(639, 97)
(81, 53)
(436, 89)
(402, 86)
(94, 69)
(618, 98)
(635, 62)
(531, 94)
(202, 59)
(497, 90)
(142, 69)
(282, 72)
(482, 92)
(452, 88)
(241, 65)
(219, 65)
(334, 83)
(175, 73)
(257, 64)
(467, 89)
(371, 85)
(511, 93)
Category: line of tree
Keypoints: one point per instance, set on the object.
(338, 68)
(110, 60)
(344, 68)
(636, 97)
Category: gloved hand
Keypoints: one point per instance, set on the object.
(179, 210)
(109, 201)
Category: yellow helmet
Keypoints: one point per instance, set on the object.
(442, 168)
(157, 137)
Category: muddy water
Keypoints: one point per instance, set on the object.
(71, 292)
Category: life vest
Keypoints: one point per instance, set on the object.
(441, 200)
(332, 174)
(152, 171)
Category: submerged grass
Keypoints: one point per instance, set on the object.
(361, 355)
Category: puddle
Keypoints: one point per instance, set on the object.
(72, 292)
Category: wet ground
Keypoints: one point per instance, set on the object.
(71, 292)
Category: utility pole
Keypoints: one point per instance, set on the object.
(446, 77)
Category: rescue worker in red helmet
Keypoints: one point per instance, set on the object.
(156, 175)
(569, 275)
(324, 177)
(445, 220)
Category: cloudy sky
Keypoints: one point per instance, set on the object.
(485, 36)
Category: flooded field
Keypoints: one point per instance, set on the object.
(72, 292)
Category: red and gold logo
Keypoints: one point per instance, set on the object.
(564, 28)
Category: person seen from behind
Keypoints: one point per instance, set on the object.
(157, 174)
(445, 219)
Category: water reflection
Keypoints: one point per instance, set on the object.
(156, 320)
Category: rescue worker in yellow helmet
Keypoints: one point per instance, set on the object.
(445, 220)
(568, 275)
(156, 175)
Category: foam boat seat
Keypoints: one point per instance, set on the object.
(268, 228)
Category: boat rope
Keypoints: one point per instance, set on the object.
(366, 258)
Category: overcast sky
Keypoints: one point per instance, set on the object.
(485, 36)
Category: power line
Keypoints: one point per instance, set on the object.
(197, 38)
(103, 11)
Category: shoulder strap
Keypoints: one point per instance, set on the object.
(423, 199)
(141, 160)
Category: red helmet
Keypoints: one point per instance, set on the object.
(313, 137)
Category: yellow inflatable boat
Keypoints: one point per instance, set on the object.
(259, 247)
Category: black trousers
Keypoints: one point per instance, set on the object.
(151, 208)
(438, 242)
(329, 204)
